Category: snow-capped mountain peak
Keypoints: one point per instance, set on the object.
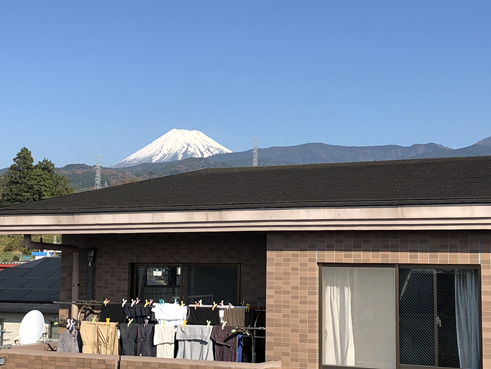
(177, 144)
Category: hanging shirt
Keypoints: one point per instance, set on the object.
(172, 314)
(199, 316)
(68, 342)
(115, 312)
(164, 338)
(235, 317)
(144, 340)
(194, 343)
(107, 336)
(225, 343)
(239, 348)
(99, 338)
(128, 339)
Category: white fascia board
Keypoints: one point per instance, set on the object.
(301, 219)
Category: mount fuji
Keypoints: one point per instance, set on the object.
(177, 144)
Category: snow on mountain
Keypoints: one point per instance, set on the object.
(177, 144)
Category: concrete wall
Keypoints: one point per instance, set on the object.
(293, 260)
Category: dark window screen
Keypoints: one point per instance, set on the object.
(158, 282)
(209, 283)
(212, 283)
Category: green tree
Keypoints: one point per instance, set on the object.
(26, 182)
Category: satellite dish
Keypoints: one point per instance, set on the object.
(31, 327)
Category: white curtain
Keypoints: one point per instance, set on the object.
(359, 317)
(339, 346)
(467, 317)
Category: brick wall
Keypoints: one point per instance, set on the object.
(37, 358)
(130, 362)
(116, 252)
(293, 281)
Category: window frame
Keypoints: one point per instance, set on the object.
(396, 267)
(134, 266)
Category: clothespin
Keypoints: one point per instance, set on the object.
(175, 301)
(132, 302)
(163, 323)
(129, 321)
(137, 300)
(223, 325)
(146, 303)
(208, 322)
(106, 301)
(214, 305)
(150, 302)
(195, 305)
(200, 302)
(124, 303)
(182, 303)
(184, 323)
(230, 306)
(248, 306)
(93, 319)
(221, 304)
(161, 301)
(107, 321)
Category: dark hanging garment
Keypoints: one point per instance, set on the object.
(199, 316)
(250, 317)
(144, 346)
(142, 313)
(128, 338)
(225, 343)
(115, 312)
(130, 311)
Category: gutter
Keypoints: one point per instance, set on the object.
(75, 250)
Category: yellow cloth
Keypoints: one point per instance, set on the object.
(99, 338)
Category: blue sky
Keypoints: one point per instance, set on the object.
(80, 78)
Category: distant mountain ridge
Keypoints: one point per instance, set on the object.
(82, 176)
(314, 153)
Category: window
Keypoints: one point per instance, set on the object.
(53, 330)
(400, 317)
(439, 317)
(188, 283)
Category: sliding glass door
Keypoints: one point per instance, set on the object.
(400, 317)
(439, 318)
(359, 327)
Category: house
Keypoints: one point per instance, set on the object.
(370, 265)
(29, 286)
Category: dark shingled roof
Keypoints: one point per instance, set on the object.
(37, 281)
(386, 183)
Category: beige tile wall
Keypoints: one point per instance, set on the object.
(293, 281)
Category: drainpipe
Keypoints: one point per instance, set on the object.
(90, 273)
(75, 250)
